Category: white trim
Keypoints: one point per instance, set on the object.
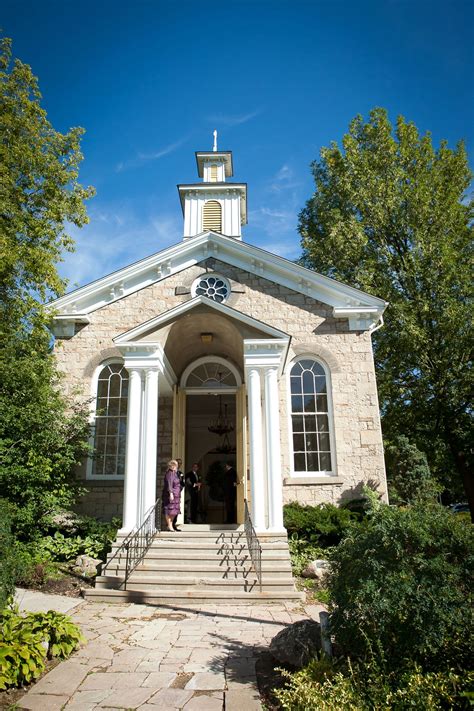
(239, 254)
(92, 418)
(332, 436)
(210, 359)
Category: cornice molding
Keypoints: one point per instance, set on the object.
(363, 310)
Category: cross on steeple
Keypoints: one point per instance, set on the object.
(215, 141)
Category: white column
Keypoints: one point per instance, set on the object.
(257, 474)
(272, 431)
(132, 456)
(150, 439)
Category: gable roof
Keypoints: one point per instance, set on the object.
(362, 309)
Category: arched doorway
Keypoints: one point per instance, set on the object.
(213, 436)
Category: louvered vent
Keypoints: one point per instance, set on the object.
(212, 216)
(213, 174)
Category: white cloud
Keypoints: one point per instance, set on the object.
(114, 239)
(284, 179)
(141, 158)
(232, 119)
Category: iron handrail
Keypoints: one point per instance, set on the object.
(137, 543)
(253, 544)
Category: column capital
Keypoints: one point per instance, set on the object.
(265, 353)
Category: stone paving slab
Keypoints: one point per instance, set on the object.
(166, 657)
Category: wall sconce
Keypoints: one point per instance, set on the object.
(206, 337)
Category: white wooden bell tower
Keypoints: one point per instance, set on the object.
(214, 204)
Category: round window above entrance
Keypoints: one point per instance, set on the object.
(213, 286)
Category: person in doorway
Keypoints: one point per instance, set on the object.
(181, 484)
(193, 486)
(171, 494)
(230, 493)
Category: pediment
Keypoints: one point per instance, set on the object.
(362, 310)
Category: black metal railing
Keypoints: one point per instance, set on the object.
(136, 544)
(255, 549)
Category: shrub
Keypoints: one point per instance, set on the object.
(7, 566)
(400, 588)
(302, 552)
(28, 639)
(322, 686)
(324, 524)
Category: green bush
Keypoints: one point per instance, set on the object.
(322, 686)
(92, 538)
(324, 524)
(28, 639)
(400, 588)
(302, 552)
(7, 566)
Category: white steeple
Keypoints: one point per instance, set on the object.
(214, 204)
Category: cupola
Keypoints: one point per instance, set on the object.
(214, 204)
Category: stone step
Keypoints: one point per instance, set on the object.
(216, 569)
(203, 584)
(202, 571)
(174, 599)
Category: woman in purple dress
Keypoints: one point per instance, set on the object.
(171, 494)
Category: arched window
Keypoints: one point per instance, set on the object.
(310, 418)
(110, 425)
(212, 216)
(211, 373)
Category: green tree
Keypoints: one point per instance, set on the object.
(41, 435)
(410, 477)
(390, 216)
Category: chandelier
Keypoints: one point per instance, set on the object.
(221, 425)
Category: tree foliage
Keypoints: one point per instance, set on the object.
(390, 216)
(41, 435)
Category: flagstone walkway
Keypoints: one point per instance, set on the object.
(180, 657)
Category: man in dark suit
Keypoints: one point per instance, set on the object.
(193, 486)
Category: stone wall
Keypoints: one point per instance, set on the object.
(313, 330)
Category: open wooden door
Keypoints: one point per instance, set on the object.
(241, 446)
(178, 441)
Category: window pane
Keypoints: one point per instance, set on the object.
(306, 364)
(297, 423)
(112, 427)
(320, 384)
(110, 466)
(296, 403)
(121, 466)
(115, 367)
(123, 406)
(308, 382)
(318, 368)
(101, 405)
(312, 459)
(300, 464)
(297, 369)
(309, 404)
(324, 442)
(111, 446)
(322, 403)
(100, 426)
(325, 460)
(311, 442)
(310, 423)
(323, 425)
(114, 407)
(102, 388)
(115, 382)
(295, 385)
(298, 443)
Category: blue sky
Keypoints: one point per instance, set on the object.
(150, 80)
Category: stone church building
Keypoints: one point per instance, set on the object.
(216, 351)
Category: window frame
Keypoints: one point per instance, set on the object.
(296, 473)
(92, 419)
(216, 275)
